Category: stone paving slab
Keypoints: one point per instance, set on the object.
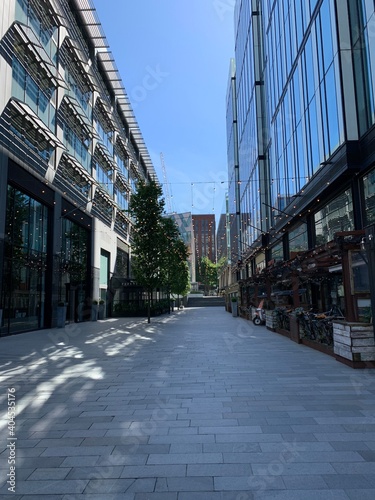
(197, 405)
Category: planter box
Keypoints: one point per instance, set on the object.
(94, 312)
(354, 341)
(234, 309)
(271, 321)
(61, 316)
(294, 329)
(101, 311)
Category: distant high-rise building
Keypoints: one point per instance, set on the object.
(184, 223)
(205, 243)
(204, 227)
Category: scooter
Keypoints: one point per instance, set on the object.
(259, 316)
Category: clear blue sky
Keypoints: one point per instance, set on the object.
(173, 56)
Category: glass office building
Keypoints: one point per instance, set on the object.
(305, 74)
(71, 153)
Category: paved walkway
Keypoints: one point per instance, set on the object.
(195, 406)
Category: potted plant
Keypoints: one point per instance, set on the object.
(94, 310)
(234, 306)
(61, 314)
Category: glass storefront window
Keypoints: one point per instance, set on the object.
(277, 253)
(298, 241)
(336, 216)
(74, 286)
(360, 273)
(25, 263)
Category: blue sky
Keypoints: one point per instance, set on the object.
(173, 56)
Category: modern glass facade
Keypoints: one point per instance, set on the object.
(71, 155)
(233, 169)
(305, 74)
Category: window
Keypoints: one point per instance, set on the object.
(25, 263)
(104, 176)
(122, 264)
(122, 162)
(77, 146)
(26, 88)
(369, 197)
(104, 131)
(122, 199)
(360, 273)
(33, 14)
(335, 217)
(277, 253)
(77, 89)
(298, 240)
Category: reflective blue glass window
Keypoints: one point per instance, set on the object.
(44, 29)
(332, 109)
(76, 90)
(315, 145)
(299, 21)
(25, 88)
(326, 30)
(324, 116)
(303, 171)
(104, 177)
(122, 199)
(309, 70)
(122, 165)
(76, 146)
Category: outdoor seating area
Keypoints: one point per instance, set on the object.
(320, 298)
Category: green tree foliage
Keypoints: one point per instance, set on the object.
(221, 264)
(146, 208)
(159, 254)
(180, 279)
(175, 268)
(207, 273)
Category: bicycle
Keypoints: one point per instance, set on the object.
(316, 327)
(282, 318)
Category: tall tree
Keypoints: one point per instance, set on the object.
(180, 277)
(146, 208)
(175, 254)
